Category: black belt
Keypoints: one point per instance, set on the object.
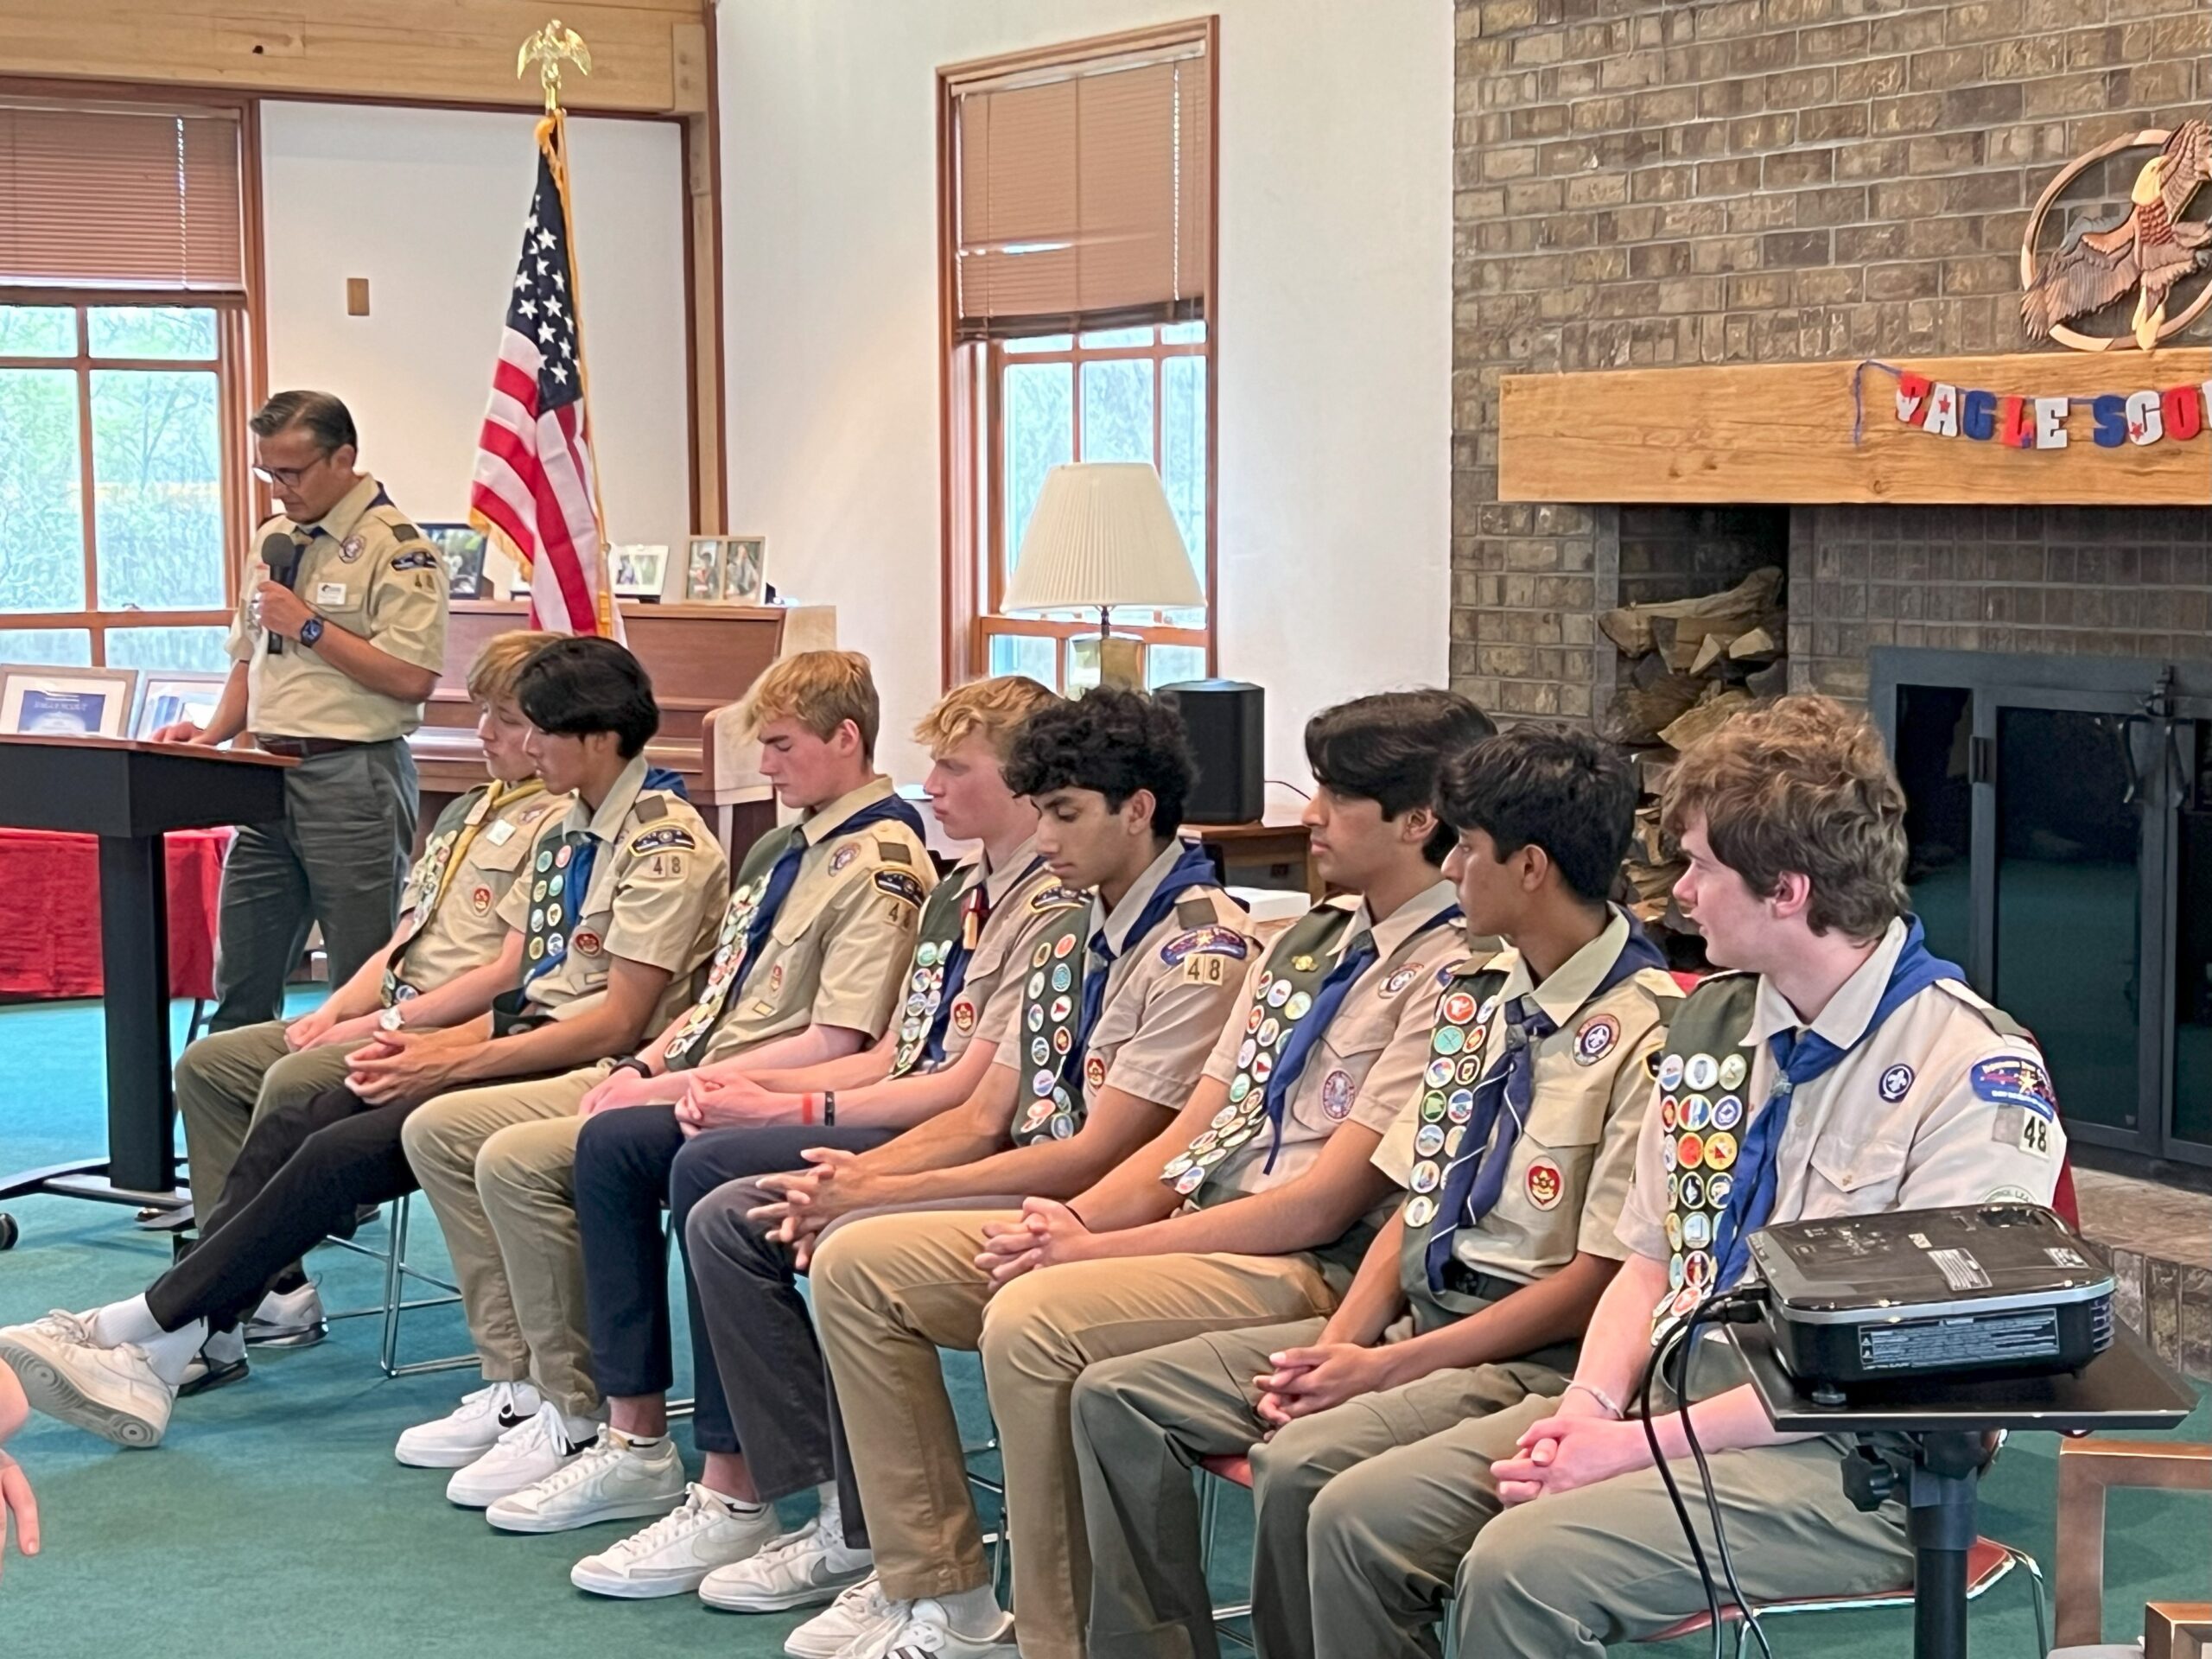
(1461, 1280)
(304, 748)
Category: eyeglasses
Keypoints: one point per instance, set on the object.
(289, 477)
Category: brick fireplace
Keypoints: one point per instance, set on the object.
(1647, 183)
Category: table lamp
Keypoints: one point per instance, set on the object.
(1103, 535)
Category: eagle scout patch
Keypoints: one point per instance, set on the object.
(1093, 1071)
(1335, 1097)
(587, 943)
(1596, 1039)
(2011, 1081)
(480, 900)
(775, 978)
(963, 1016)
(419, 558)
(652, 841)
(1212, 941)
(1545, 1184)
(1897, 1083)
(899, 885)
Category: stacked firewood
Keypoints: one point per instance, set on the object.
(1690, 664)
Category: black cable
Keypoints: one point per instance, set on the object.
(1666, 1476)
(1723, 1309)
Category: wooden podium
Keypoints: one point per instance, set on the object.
(129, 794)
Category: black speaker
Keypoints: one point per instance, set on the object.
(1227, 721)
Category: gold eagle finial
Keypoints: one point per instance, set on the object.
(549, 48)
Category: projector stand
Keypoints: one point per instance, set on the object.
(1939, 1475)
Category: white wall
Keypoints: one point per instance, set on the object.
(1334, 334)
(429, 206)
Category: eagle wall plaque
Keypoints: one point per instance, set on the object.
(2144, 253)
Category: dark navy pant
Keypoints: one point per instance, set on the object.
(629, 1163)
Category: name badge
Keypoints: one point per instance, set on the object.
(500, 833)
(330, 593)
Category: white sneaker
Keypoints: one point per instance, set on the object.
(522, 1457)
(927, 1630)
(678, 1551)
(292, 1319)
(471, 1429)
(860, 1614)
(113, 1392)
(802, 1569)
(612, 1481)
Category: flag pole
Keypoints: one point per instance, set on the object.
(549, 48)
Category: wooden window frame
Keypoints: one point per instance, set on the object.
(239, 363)
(970, 433)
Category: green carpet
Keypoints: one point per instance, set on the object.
(273, 1521)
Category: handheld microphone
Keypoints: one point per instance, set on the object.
(281, 554)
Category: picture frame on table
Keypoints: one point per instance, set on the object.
(702, 570)
(637, 570)
(172, 694)
(745, 570)
(38, 699)
(462, 547)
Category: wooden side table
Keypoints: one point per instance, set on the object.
(1277, 851)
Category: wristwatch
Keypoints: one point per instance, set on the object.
(392, 1018)
(829, 1107)
(310, 632)
(633, 1063)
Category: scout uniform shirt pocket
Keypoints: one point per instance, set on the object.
(1858, 1179)
(802, 911)
(341, 595)
(1554, 1156)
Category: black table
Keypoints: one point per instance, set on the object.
(130, 794)
(1927, 1442)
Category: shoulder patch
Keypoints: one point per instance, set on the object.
(405, 532)
(1059, 896)
(2010, 1080)
(1196, 912)
(899, 885)
(650, 808)
(660, 839)
(419, 558)
(894, 852)
(1212, 940)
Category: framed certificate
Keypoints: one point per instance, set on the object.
(172, 696)
(41, 702)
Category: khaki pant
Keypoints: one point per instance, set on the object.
(513, 1145)
(1392, 1537)
(1143, 1421)
(890, 1290)
(225, 1081)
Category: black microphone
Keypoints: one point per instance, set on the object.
(281, 554)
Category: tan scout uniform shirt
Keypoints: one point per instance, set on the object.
(1900, 1123)
(1164, 1007)
(1592, 1081)
(1023, 895)
(658, 886)
(449, 911)
(369, 571)
(1366, 1066)
(839, 950)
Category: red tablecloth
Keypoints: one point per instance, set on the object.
(50, 912)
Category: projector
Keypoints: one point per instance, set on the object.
(1978, 1290)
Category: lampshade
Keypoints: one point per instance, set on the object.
(1102, 534)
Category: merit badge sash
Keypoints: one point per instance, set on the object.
(726, 968)
(1049, 1021)
(1703, 1070)
(935, 974)
(1466, 1016)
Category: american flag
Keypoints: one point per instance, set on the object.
(534, 491)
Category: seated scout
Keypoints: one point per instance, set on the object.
(1514, 1147)
(304, 1170)
(809, 964)
(1248, 1205)
(1841, 1071)
(978, 923)
(227, 1080)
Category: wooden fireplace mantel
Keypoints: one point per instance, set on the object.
(1782, 433)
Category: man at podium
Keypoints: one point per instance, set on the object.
(338, 637)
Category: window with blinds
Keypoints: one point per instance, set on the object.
(1076, 223)
(1082, 186)
(123, 197)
